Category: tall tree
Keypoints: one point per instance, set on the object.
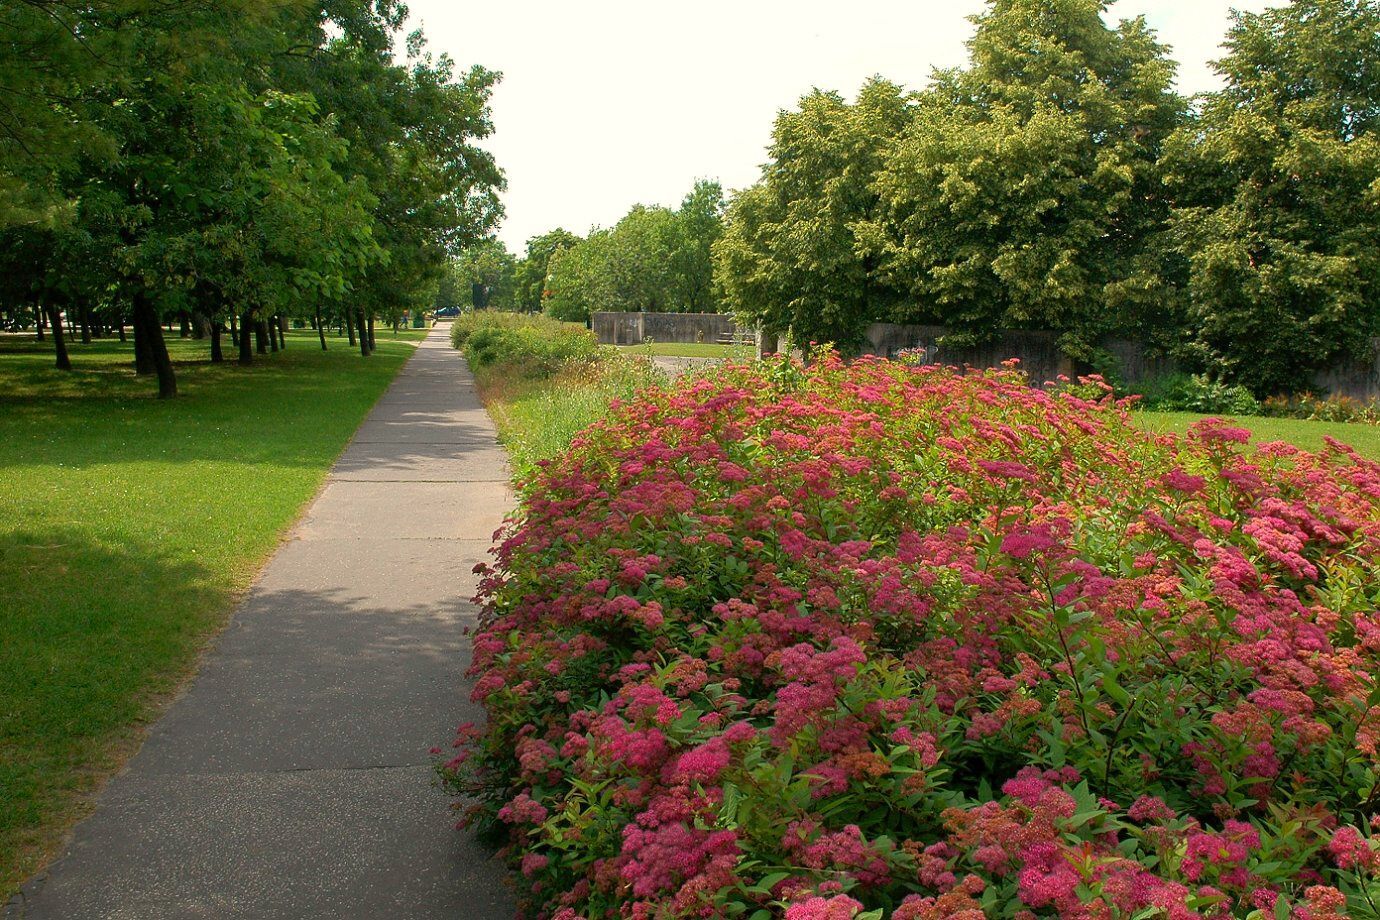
(789, 256)
(535, 266)
(487, 271)
(1025, 193)
(1278, 190)
(412, 129)
(699, 224)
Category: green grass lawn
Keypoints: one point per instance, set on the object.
(128, 527)
(692, 350)
(1300, 432)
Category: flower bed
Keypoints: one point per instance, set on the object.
(877, 641)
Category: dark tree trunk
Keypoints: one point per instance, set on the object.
(271, 327)
(261, 336)
(217, 356)
(234, 330)
(38, 321)
(201, 325)
(120, 324)
(282, 332)
(64, 363)
(143, 352)
(84, 319)
(246, 349)
(349, 324)
(373, 343)
(320, 328)
(146, 317)
(186, 326)
(364, 348)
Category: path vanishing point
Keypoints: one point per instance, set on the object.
(292, 779)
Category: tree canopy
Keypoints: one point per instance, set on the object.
(1277, 191)
(1025, 190)
(789, 257)
(235, 160)
(655, 259)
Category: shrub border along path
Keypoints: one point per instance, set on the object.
(294, 778)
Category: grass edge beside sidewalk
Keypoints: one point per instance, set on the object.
(129, 530)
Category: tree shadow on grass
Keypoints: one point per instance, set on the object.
(92, 640)
(295, 409)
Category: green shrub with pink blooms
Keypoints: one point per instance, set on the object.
(868, 640)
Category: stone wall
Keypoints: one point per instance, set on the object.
(1037, 351)
(1356, 377)
(636, 328)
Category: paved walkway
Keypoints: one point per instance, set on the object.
(293, 780)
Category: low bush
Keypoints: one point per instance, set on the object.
(531, 346)
(1322, 408)
(1196, 393)
(874, 641)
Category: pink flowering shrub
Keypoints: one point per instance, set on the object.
(880, 641)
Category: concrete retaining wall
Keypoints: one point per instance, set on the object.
(636, 328)
(1036, 350)
(1355, 377)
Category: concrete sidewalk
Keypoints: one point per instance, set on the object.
(292, 780)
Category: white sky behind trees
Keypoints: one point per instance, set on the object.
(608, 103)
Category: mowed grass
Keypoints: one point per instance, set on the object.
(128, 527)
(1302, 433)
(693, 350)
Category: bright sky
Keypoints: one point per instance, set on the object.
(608, 103)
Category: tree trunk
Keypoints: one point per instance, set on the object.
(234, 330)
(271, 327)
(146, 316)
(201, 325)
(38, 321)
(143, 352)
(261, 336)
(84, 319)
(320, 328)
(364, 348)
(217, 356)
(282, 332)
(120, 324)
(373, 343)
(350, 325)
(185, 327)
(246, 349)
(64, 363)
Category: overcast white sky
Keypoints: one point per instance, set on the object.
(607, 103)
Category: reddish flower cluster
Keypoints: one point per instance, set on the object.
(879, 641)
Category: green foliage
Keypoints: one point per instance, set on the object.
(1277, 185)
(789, 257)
(539, 421)
(233, 157)
(1322, 409)
(526, 346)
(1025, 192)
(532, 271)
(485, 276)
(654, 259)
(127, 529)
(1197, 393)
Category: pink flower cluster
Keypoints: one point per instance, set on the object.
(872, 640)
